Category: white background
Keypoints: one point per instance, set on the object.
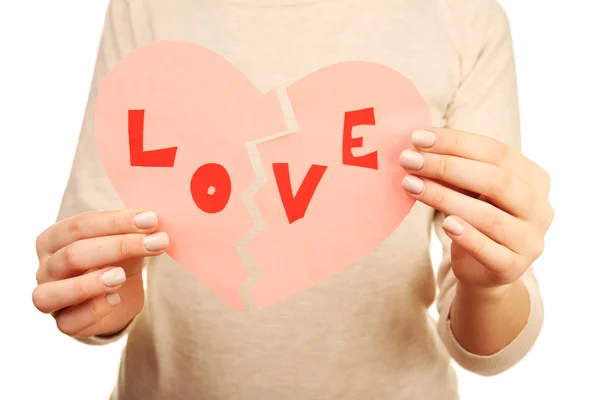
(47, 53)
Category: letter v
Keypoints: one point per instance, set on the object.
(295, 206)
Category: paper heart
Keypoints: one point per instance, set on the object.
(172, 123)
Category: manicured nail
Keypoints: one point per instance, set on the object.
(423, 138)
(145, 220)
(113, 299)
(411, 159)
(113, 277)
(412, 184)
(452, 225)
(156, 242)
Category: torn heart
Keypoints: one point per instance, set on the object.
(172, 124)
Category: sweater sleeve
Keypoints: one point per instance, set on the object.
(88, 187)
(485, 102)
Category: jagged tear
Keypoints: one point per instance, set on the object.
(248, 199)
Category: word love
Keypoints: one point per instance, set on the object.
(211, 186)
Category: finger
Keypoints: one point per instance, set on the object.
(87, 254)
(503, 189)
(453, 187)
(103, 327)
(94, 317)
(53, 296)
(502, 266)
(95, 224)
(77, 319)
(493, 222)
(484, 149)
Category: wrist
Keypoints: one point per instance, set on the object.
(485, 320)
(483, 295)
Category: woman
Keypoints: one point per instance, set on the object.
(359, 334)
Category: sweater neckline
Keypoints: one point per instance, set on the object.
(272, 3)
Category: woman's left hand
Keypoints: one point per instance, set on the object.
(495, 201)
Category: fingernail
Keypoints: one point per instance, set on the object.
(113, 277)
(452, 225)
(113, 299)
(156, 242)
(145, 220)
(423, 138)
(411, 159)
(412, 184)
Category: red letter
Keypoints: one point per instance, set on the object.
(211, 188)
(295, 206)
(139, 157)
(352, 119)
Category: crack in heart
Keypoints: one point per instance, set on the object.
(260, 173)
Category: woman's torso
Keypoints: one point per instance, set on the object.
(364, 333)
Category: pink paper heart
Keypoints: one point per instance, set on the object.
(172, 123)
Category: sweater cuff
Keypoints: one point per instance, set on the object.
(505, 358)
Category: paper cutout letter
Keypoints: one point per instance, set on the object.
(295, 206)
(211, 188)
(139, 157)
(352, 119)
(201, 103)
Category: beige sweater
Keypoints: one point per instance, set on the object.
(365, 333)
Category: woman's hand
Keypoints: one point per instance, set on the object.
(90, 273)
(495, 201)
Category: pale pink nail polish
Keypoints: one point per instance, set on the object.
(411, 159)
(113, 299)
(452, 225)
(412, 184)
(113, 277)
(156, 242)
(145, 220)
(423, 139)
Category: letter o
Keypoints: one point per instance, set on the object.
(211, 188)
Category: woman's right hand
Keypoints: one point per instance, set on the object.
(90, 273)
